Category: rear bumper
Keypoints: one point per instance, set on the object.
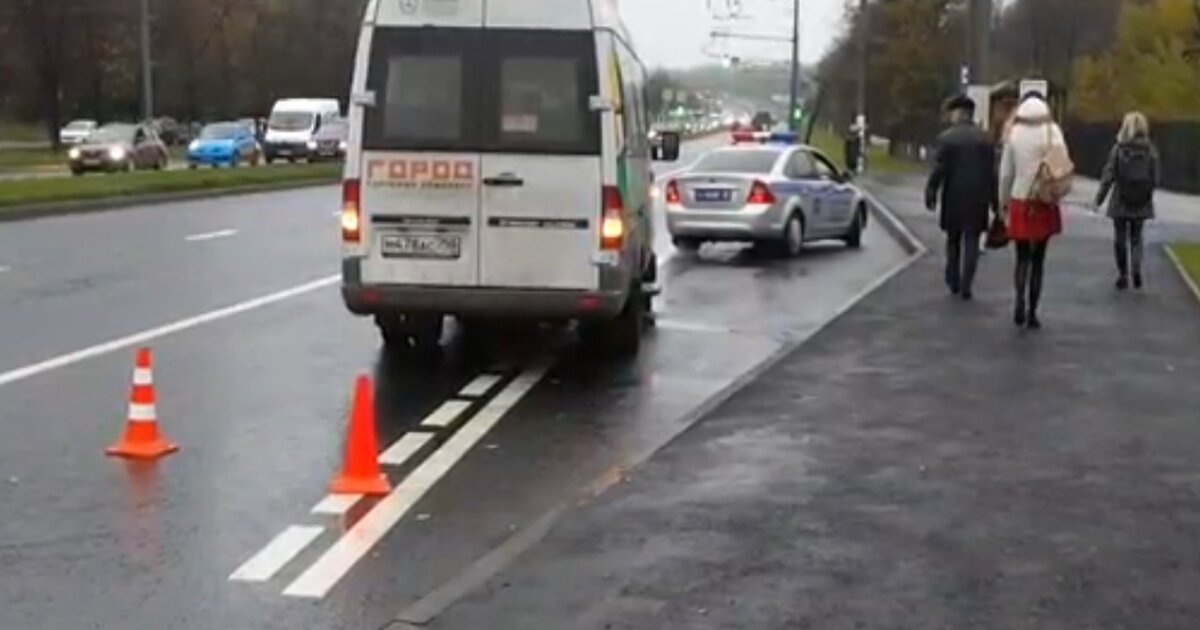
(480, 301)
(373, 299)
(732, 226)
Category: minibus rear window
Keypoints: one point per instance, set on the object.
(476, 90)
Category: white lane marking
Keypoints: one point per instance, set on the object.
(4, 269)
(64, 360)
(445, 415)
(480, 386)
(399, 453)
(336, 504)
(208, 236)
(690, 326)
(318, 579)
(276, 554)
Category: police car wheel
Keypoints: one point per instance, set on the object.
(854, 236)
(793, 236)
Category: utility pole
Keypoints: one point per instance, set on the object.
(794, 98)
(864, 38)
(979, 18)
(147, 66)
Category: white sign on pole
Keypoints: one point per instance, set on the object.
(982, 96)
(1041, 86)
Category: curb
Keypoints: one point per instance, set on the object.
(1183, 272)
(85, 206)
(896, 227)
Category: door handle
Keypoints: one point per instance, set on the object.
(506, 180)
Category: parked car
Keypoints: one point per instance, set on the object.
(119, 147)
(329, 143)
(169, 130)
(768, 190)
(224, 144)
(77, 131)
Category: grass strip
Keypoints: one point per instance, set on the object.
(32, 192)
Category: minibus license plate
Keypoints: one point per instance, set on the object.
(422, 245)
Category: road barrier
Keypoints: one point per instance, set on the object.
(141, 439)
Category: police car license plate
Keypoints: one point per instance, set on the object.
(422, 245)
(713, 194)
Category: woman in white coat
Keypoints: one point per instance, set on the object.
(1031, 222)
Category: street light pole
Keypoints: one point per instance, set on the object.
(794, 98)
(147, 68)
(863, 42)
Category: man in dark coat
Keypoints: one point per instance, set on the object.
(964, 178)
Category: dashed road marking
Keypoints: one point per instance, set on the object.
(325, 573)
(445, 415)
(208, 236)
(4, 269)
(336, 504)
(480, 386)
(399, 453)
(64, 360)
(276, 554)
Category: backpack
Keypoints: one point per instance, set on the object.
(1135, 175)
(1055, 173)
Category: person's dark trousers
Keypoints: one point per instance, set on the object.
(1128, 248)
(962, 258)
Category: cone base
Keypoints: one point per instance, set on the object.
(146, 450)
(368, 486)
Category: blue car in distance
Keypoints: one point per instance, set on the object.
(224, 144)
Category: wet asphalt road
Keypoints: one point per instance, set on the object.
(257, 400)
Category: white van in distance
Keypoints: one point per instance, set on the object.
(293, 125)
(499, 166)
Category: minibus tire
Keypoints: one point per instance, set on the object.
(622, 335)
(405, 333)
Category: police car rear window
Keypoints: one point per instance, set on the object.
(756, 162)
(475, 90)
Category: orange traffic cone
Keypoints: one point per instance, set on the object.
(141, 439)
(360, 472)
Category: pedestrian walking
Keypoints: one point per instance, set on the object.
(964, 179)
(1133, 171)
(1035, 175)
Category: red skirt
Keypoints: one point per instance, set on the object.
(1030, 220)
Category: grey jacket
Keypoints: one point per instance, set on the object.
(1108, 184)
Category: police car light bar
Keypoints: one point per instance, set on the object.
(784, 137)
(750, 136)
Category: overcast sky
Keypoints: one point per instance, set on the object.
(675, 33)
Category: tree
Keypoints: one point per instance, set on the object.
(1149, 69)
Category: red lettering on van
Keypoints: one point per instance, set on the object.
(420, 173)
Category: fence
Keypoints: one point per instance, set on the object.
(1178, 145)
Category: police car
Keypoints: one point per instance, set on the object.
(767, 189)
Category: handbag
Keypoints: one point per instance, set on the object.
(997, 234)
(1055, 172)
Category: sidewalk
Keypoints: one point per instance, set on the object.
(918, 465)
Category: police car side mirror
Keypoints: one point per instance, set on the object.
(667, 147)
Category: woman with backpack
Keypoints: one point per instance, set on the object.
(1035, 175)
(1132, 169)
